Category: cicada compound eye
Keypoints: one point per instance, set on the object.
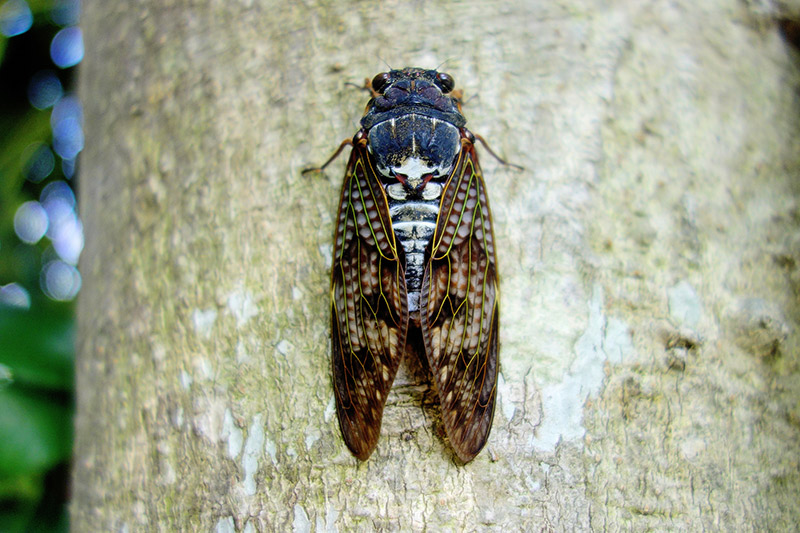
(445, 82)
(380, 81)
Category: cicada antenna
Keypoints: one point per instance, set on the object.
(388, 66)
(442, 63)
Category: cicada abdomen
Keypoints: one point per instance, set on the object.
(414, 255)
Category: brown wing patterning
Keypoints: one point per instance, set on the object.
(459, 309)
(369, 310)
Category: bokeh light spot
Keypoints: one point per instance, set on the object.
(66, 12)
(67, 107)
(15, 295)
(66, 49)
(68, 138)
(60, 281)
(41, 162)
(66, 230)
(68, 240)
(66, 120)
(57, 190)
(31, 222)
(15, 18)
(68, 168)
(44, 89)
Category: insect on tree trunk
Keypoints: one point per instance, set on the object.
(647, 264)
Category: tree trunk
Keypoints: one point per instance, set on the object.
(648, 258)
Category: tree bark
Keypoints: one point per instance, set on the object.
(648, 256)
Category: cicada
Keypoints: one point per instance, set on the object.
(414, 261)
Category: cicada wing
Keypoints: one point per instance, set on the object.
(369, 308)
(459, 311)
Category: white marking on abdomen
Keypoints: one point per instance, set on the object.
(414, 222)
(414, 236)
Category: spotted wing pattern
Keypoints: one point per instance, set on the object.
(459, 311)
(369, 308)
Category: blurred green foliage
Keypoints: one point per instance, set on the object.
(37, 343)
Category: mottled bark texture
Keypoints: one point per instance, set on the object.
(649, 258)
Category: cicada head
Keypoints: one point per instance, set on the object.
(413, 90)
